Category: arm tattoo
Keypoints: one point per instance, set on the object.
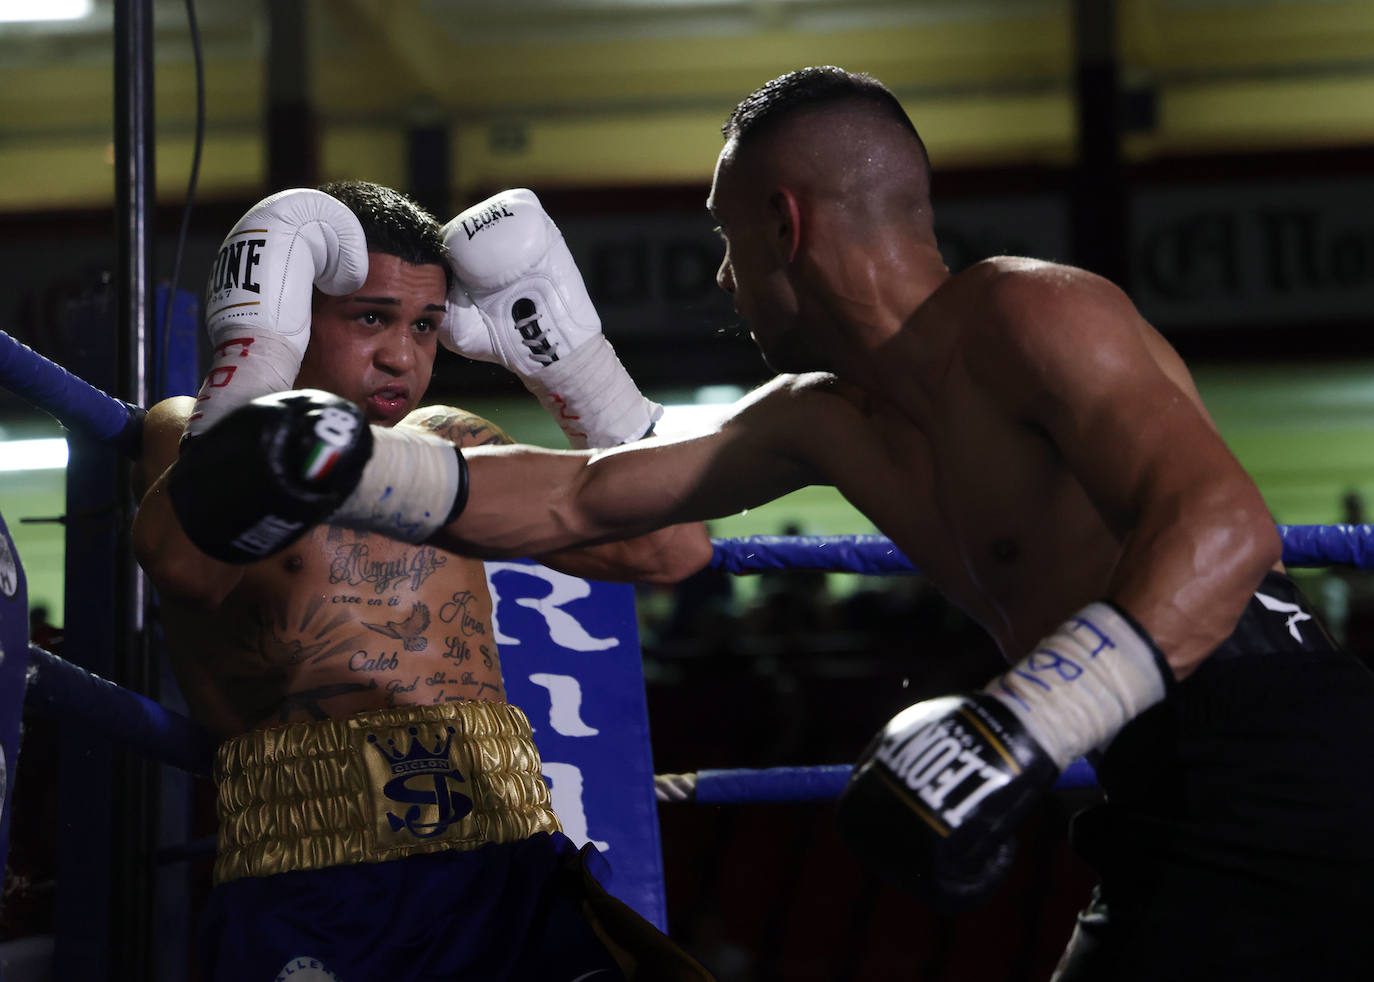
(458, 426)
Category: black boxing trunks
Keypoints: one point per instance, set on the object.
(1235, 839)
(406, 845)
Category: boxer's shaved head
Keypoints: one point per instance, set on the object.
(822, 184)
(834, 134)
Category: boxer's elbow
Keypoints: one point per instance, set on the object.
(688, 551)
(1251, 538)
(672, 554)
(1222, 523)
(177, 568)
(1259, 541)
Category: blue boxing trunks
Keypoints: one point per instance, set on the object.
(409, 845)
(1235, 839)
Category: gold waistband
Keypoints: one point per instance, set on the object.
(377, 786)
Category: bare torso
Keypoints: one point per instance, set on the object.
(342, 622)
(979, 499)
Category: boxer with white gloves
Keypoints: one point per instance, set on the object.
(520, 302)
(324, 646)
(258, 298)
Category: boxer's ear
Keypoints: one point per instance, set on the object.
(786, 215)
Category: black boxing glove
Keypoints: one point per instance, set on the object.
(934, 801)
(932, 804)
(268, 472)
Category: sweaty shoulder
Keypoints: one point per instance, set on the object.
(814, 389)
(1028, 309)
(1047, 340)
(1017, 288)
(456, 425)
(817, 421)
(810, 403)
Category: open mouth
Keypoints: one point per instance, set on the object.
(388, 403)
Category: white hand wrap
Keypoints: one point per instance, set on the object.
(520, 302)
(258, 299)
(593, 398)
(408, 487)
(1083, 683)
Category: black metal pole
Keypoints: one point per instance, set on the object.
(1098, 201)
(136, 801)
(292, 158)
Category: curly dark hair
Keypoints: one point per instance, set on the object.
(394, 224)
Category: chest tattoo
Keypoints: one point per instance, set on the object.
(353, 565)
(459, 609)
(410, 630)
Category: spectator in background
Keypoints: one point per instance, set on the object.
(41, 632)
(1347, 594)
(793, 603)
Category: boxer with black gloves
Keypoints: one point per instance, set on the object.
(946, 783)
(300, 458)
(301, 642)
(1042, 455)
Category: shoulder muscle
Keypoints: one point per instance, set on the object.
(459, 426)
(1042, 327)
(162, 428)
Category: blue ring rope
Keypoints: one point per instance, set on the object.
(1303, 546)
(742, 786)
(76, 404)
(63, 690)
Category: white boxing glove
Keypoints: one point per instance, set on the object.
(519, 301)
(258, 299)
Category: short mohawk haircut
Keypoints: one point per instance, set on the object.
(809, 88)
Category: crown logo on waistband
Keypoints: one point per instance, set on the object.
(417, 760)
(434, 805)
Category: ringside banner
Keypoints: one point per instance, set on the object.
(571, 659)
